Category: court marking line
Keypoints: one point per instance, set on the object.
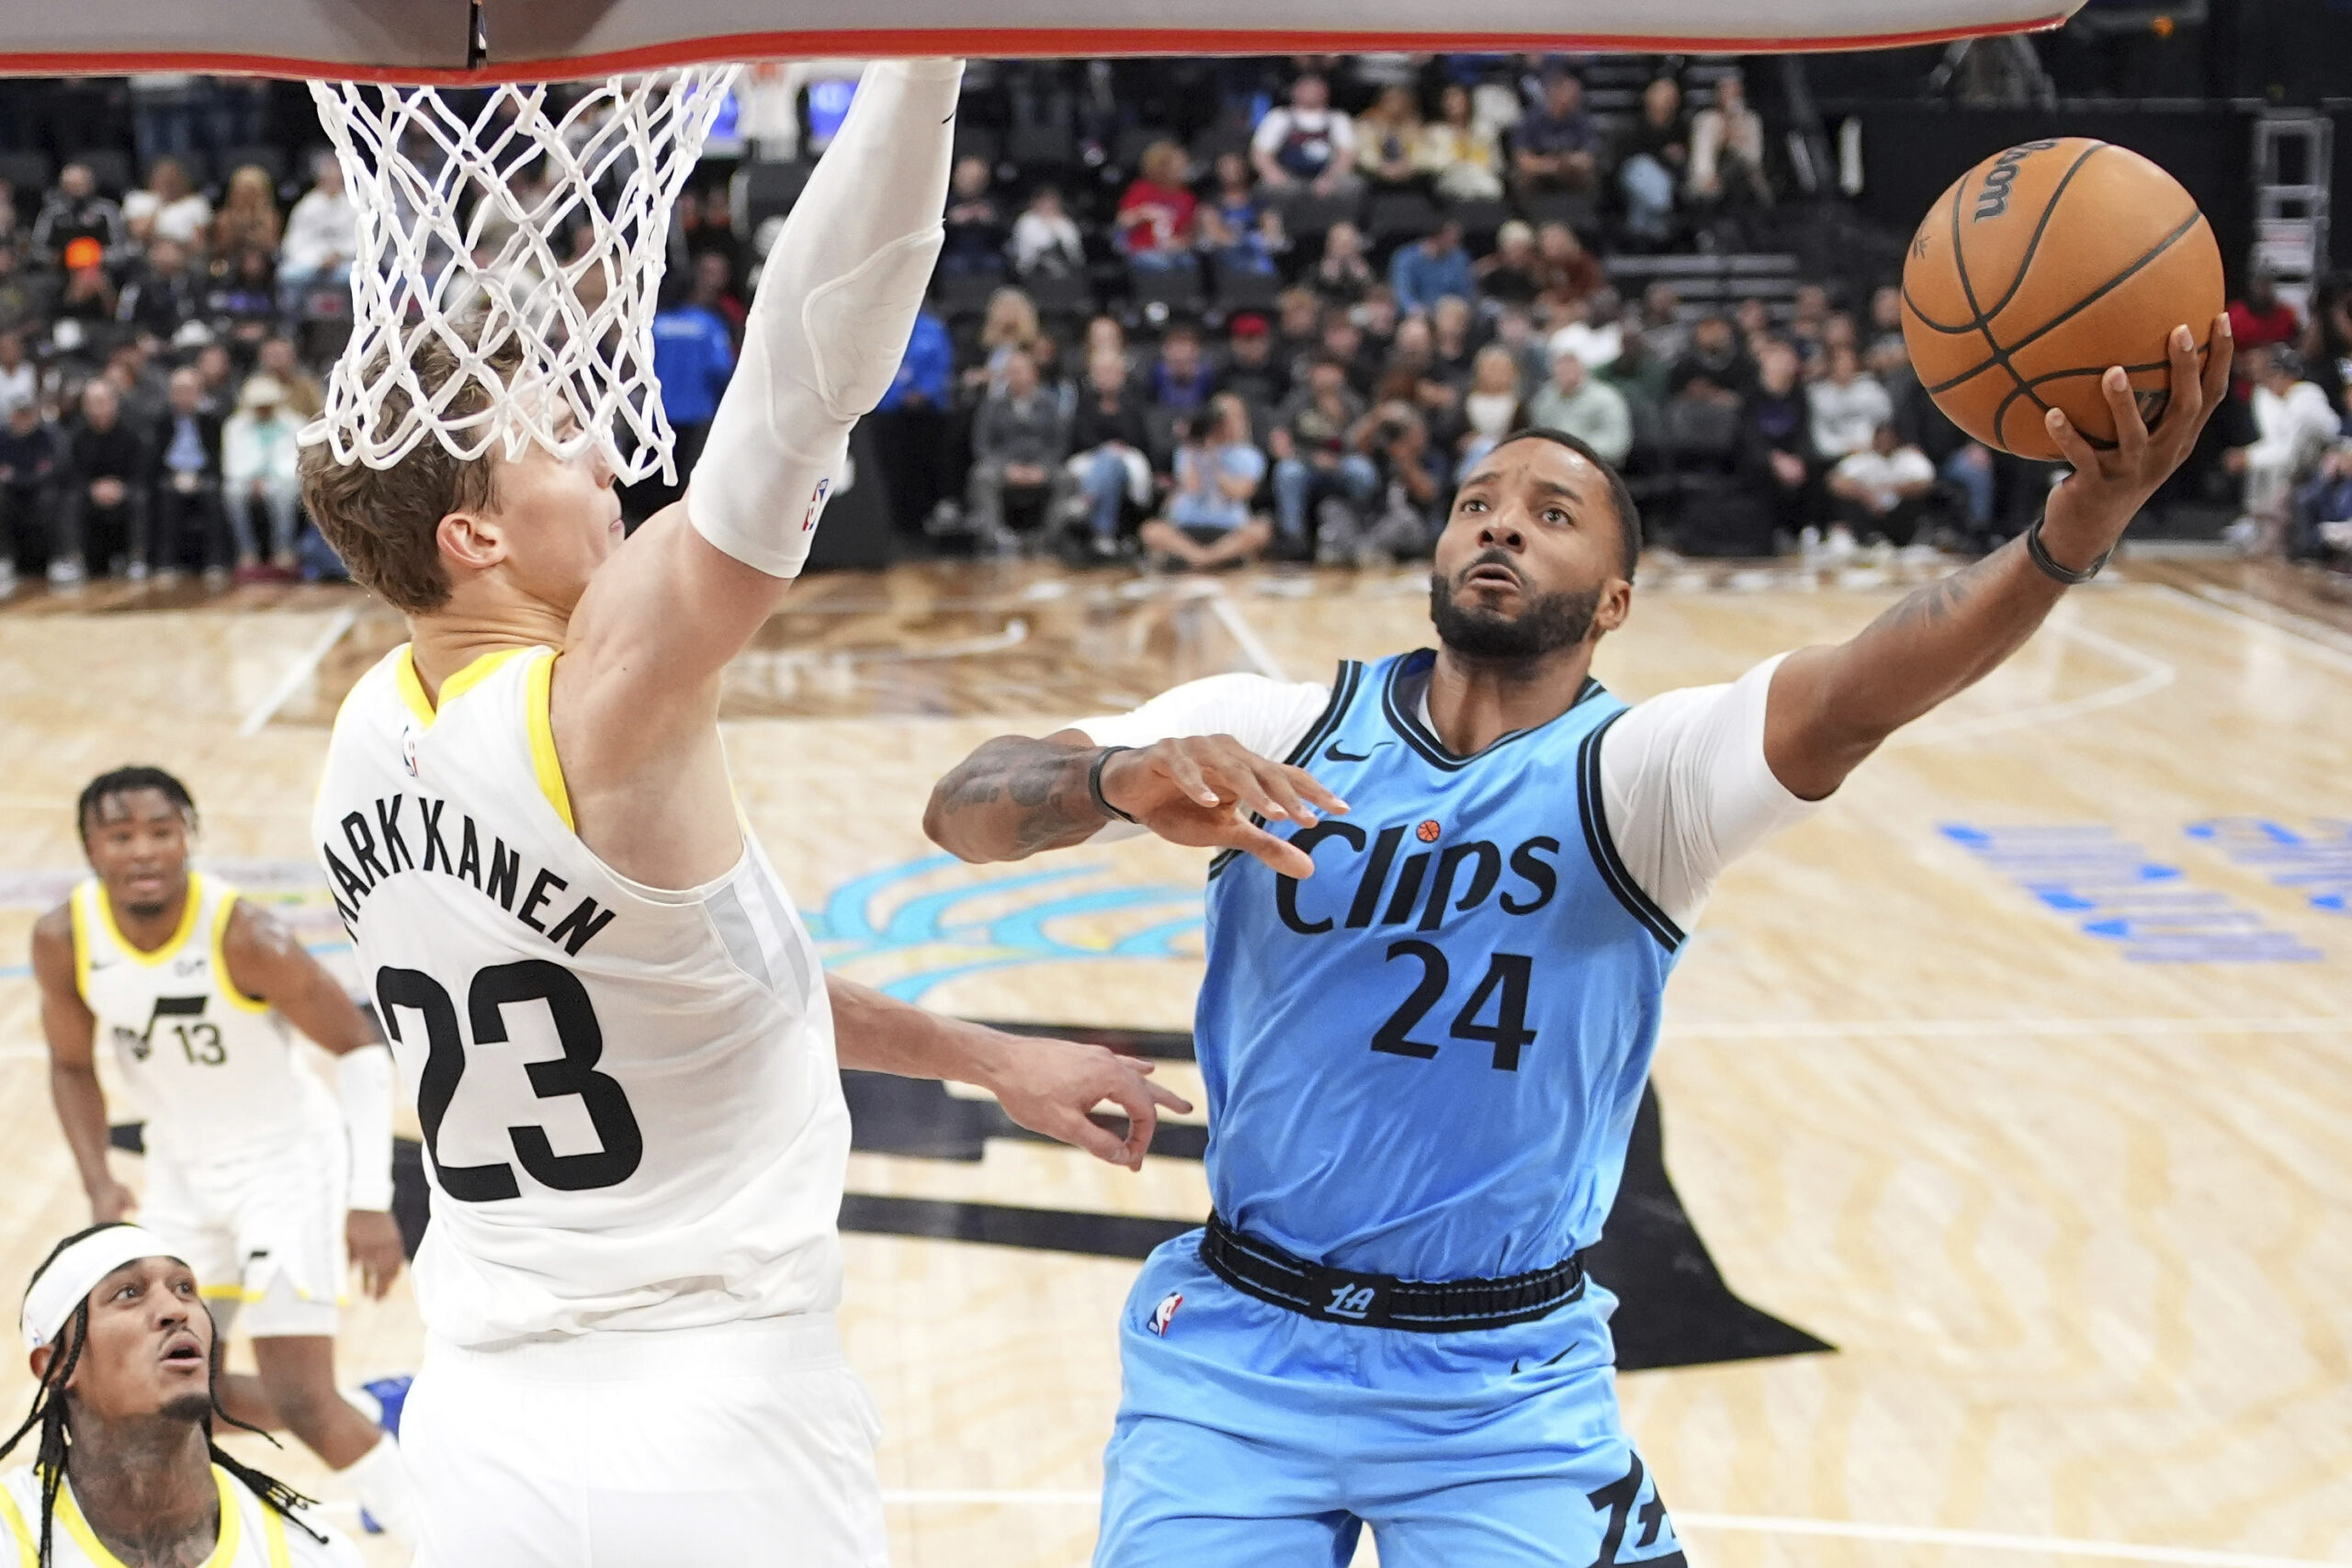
(1998, 1028)
(1228, 615)
(301, 670)
(1739, 1524)
(2320, 640)
(2155, 675)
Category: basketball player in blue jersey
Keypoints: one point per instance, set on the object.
(1438, 943)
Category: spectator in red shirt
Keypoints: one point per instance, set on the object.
(1155, 222)
(2262, 319)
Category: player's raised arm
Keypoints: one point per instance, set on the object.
(835, 305)
(1830, 707)
(71, 1029)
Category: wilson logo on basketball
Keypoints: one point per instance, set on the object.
(1993, 199)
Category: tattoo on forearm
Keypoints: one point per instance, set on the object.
(1046, 786)
(1940, 600)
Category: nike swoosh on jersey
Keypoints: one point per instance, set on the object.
(1332, 753)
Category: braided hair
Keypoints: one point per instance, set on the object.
(49, 1413)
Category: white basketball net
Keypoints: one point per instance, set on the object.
(526, 222)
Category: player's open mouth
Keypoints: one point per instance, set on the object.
(1490, 575)
(184, 1349)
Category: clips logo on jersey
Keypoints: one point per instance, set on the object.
(1532, 882)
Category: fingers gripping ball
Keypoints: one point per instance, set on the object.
(2039, 269)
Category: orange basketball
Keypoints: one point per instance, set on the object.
(2039, 269)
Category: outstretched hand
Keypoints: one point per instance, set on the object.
(1201, 790)
(373, 1239)
(2088, 511)
(1052, 1086)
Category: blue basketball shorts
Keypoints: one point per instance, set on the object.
(1248, 1435)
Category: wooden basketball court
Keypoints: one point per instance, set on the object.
(2020, 1076)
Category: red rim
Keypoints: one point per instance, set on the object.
(995, 42)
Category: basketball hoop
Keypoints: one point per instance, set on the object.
(535, 227)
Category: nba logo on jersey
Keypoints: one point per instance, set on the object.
(816, 504)
(407, 749)
(1164, 1311)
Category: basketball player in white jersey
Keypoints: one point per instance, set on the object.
(623, 1052)
(125, 1474)
(255, 1174)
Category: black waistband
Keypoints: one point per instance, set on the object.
(1259, 1268)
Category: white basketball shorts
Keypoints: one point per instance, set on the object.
(748, 1442)
(263, 1230)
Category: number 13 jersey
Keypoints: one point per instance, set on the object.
(631, 1111)
(212, 1070)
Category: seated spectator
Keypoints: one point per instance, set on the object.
(1344, 275)
(169, 208)
(29, 475)
(1590, 330)
(1635, 372)
(321, 236)
(2322, 527)
(975, 224)
(1180, 377)
(1429, 268)
(1046, 242)
(242, 304)
(188, 480)
(1110, 440)
(304, 396)
(19, 377)
(1155, 222)
(1205, 522)
(1456, 153)
(1753, 322)
(1848, 407)
(1009, 327)
(1653, 152)
(75, 210)
(1106, 335)
(24, 300)
(1305, 147)
(1727, 151)
(2261, 319)
(1312, 458)
(164, 296)
(1452, 319)
(1808, 316)
(248, 217)
(1778, 461)
(1515, 332)
(1492, 407)
(714, 290)
(1298, 330)
(2294, 428)
(1242, 232)
(1881, 490)
(1663, 331)
(83, 318)
(1585, 407)
(1391, 516)
(926, 378)
(1344, 345)
(1020, 442)
(102, 521)
(1886, 325)
(1386, 134)
(218, 372)
(259, 454)
(1568, 274)
(1513, 274)
(141, 389)
(1378, 315)
(1250, 371)
(1556, 148)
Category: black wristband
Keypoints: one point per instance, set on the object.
(1094, 782)
(2040, 554)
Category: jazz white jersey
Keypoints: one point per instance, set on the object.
(213, 1071)
(631, 1111)
(253, 1535)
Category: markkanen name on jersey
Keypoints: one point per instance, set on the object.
(382, 848)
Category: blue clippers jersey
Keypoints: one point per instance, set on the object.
(1424, 1060)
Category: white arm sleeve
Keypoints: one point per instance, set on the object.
(1685, 788)
(830, 322)
(363, 1082)
(1269, 718)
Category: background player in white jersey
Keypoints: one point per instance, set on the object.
(254, 1173)
(125, 1474)
(623, 1050)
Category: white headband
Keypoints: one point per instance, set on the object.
(67, 1278)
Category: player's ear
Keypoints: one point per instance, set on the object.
(1616, 604)
(471, 541)
(41, 1357)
